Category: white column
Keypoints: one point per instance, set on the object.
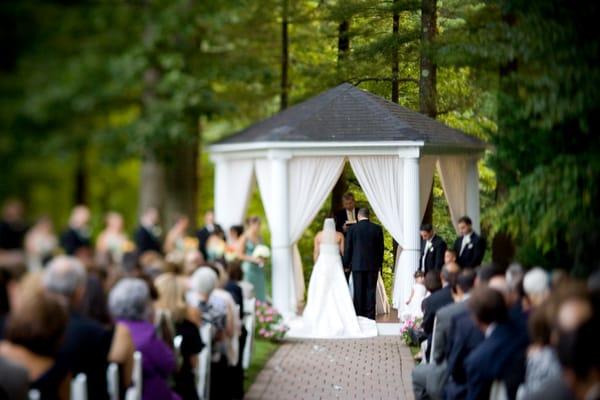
(281, 256)
(472, 189)
(409, 258)
(220, 195)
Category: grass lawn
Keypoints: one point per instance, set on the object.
(263, 350)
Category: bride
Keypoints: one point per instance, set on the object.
(329, 311)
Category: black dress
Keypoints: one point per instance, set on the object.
(191, 345)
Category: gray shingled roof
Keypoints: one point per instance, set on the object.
(348, 114)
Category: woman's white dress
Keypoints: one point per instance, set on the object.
(329, 311)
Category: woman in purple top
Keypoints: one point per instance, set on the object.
(129, 303)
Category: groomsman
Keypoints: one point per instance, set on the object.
(147, 235)
(347, 216)
(209, 228)
(433, 248)
(470, 247)
(77, 234)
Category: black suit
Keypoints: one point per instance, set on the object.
(434, 259)
(203, 235)
(430, 307)
(72, 240)
(473, 252)
(341, 217)
(363, 254)
(146, 240)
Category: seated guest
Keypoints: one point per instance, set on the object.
(14, 380)
(429, 379)
(77, 235)
(536, 285)
(450, 256)
(209, 228)
(12, 226)
(88, 346)
(171, 304)
(438, 300)
(470, 247)
(433, 248)
(348, 215)
(33, 334)
(130, 303)
(501, 356)
(147, 235)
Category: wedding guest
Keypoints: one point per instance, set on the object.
(130, 303)
(40, 244)
(76, 238)
(176, 235)
(253, 267)
(112, 241)
(147, 235)
(88, 346)
(450, 256)
(33, 334)
(12, 226)
(536, 285)
(348, 215)
(14, 380)
(470, 247)
(180, 321)
(209, 228)
(433, 249)
(503, 350)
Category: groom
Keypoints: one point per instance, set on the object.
(363, 255)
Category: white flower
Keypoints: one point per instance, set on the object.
(470, 245)
(261, 251)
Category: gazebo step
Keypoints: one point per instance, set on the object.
(388, 329)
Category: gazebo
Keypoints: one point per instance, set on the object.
(298, 154)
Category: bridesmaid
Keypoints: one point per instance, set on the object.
(253, 267)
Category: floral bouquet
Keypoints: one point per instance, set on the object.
(262, 251)
(410, 324)
(230, 253)
(190, 243)
(269, 322)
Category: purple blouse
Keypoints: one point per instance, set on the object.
(158, 361)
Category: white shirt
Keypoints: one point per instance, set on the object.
(428, 245)
(465, 241)
(490, 329)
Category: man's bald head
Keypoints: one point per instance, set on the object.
(449, 272)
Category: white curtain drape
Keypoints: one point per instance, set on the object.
(233, 187)
(453, 174)
(311, 179)
(426, 170)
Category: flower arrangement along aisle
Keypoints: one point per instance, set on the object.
(410, 324)
(269, 323)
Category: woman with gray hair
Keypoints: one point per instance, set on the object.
(130, 304)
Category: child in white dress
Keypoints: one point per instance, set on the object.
(419, 292)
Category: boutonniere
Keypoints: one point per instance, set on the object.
(431, 249)
(470, 245)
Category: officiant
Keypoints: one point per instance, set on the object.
(347, 216)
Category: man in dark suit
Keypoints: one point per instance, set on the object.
(363, 255)
(501, 356)
(433, 248)
(77, 236)
(437, 300)
(348, 215)
(470, 247)
(147, 236)
(209, 228)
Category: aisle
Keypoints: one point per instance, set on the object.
(376, 368)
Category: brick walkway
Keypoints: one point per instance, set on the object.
(377, 368)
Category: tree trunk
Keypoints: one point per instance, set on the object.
(395, 57)
(152, 178)
(81, 184)
(285, 56)
(341, 186)
(428, 76)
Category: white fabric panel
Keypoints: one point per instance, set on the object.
(453, 174)
(263, 178)
(233, 187)
(426, 170)
(381, 178)
(311, 181)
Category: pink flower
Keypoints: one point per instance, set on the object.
(269, 319)
(261, 318)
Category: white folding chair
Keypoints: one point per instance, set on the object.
(79, 387)
(135, 391)
(204, 360)
(432, 350)
(177, 340)
(498, 391)
(249, 323)
(112, 381)
(34, 394)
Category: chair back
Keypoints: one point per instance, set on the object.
(34, 394)
(79, 387)
(249, 323)
(498, 391)
(112, 381)
(177, 340)
(204, 360)
(135, 391)
(432, 346)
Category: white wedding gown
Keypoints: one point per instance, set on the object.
(329, 311)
